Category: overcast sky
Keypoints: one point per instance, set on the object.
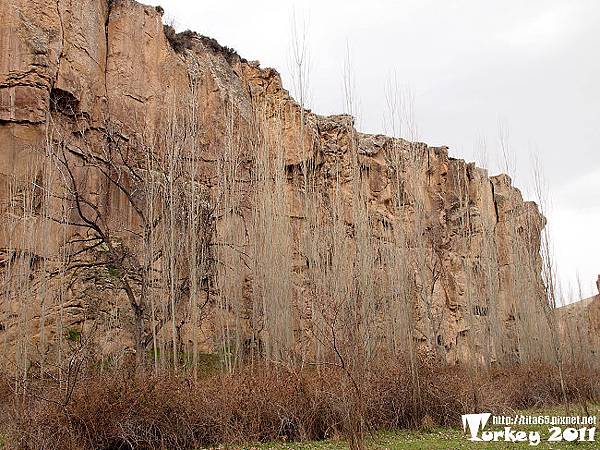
(530, 68)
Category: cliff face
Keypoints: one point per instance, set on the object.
(184, 202)
(579, 325)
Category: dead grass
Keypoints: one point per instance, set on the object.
(123, 410)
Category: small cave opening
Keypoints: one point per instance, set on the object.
(479, 310)
(63, 102)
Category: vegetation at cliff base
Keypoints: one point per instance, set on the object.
(99, 408)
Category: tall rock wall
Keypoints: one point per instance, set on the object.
(579, 325)
(160, 201)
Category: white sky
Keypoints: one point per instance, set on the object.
(531, 68)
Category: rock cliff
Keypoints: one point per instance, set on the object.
(579, 325)
(159, 194)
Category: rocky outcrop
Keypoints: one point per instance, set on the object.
(302, 213)
(579, 325)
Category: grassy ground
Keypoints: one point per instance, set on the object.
(449, 438)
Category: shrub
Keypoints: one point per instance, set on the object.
(214, 46)
(179, 41)
(184, 41)
(121, 409)
(73, 335)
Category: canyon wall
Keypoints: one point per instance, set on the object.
(579, 325)
(165, 202)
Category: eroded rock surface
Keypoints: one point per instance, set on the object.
(85, 74)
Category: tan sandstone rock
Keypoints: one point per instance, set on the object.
(84, 75)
